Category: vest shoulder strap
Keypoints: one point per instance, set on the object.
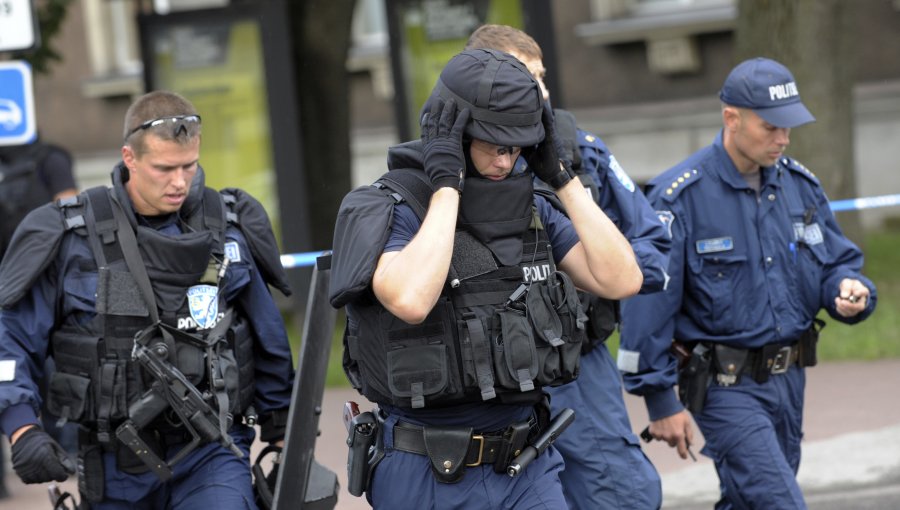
(412, 186)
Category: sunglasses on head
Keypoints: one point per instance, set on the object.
(179, 119)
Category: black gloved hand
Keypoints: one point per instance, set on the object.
(37, 458)
(545, 160)
(442, 133)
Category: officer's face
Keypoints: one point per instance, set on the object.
(493, 162)
(535, 66)
(751, 141)
(161, 177)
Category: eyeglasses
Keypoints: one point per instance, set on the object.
(181, 119)
(495, 150)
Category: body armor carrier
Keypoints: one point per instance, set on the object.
(506, 323)
(99, 381)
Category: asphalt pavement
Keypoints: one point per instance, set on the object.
(851, 446)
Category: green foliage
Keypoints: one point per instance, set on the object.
(879, 335)
(50, 15)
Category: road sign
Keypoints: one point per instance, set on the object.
(17, 122)
(16, 25)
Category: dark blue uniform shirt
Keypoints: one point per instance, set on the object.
(745, 271)
(66, 293)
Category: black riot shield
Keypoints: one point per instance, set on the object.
(303, 483)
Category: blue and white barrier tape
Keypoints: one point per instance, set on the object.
(309, 258)
(865, 203)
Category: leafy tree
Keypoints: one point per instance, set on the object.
(50, 16)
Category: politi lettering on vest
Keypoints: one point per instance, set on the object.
(188, 323)
(535, 273)
(783, 91)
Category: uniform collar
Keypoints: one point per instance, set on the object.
(728, 173)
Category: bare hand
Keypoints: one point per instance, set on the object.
(852, 298)
(676, 430)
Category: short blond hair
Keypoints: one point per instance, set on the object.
(159, 104)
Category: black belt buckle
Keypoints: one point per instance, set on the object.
(782, 360)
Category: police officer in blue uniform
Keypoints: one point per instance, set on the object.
(152, 298)
(468, 303)
(756, 253)
(605, 465)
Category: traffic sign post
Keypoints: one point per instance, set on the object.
(17, 29)
(17, 121)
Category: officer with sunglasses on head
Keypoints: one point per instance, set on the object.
(152, 296)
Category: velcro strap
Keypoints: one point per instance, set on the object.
(481, 352)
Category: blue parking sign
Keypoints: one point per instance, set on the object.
(17, 122)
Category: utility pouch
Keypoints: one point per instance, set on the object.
(69, 396)
(729, 362)
(515, 357)
(808, 344)
(361, 439)
(90, 472)
(446, 448)
(694, 378)
(514, 439)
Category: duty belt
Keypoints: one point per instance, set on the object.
(482, 449)
(773, 358)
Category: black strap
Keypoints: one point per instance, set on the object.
(412, 185)
(133, 259)
(481, 353)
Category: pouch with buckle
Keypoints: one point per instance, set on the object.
(730, 362)
(447, 448)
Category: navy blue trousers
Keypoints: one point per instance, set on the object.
(210, 477)
(753, 434)
(605, 466)
(404, 481)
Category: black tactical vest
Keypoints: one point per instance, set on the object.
(97, 379)
(506, 323)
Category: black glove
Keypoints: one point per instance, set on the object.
(442, 133)
(37, 458)
(545, 161)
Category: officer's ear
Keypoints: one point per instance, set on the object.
(731, 117)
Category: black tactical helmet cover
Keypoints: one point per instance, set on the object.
(504, 99)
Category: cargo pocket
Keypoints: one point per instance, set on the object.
(515, 356)
(417, 372)
(69, 396)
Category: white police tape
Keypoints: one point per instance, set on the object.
(309, 258)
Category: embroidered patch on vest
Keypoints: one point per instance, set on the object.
(203, 301)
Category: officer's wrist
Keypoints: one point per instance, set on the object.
(662, 404)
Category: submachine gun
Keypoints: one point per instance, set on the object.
(171, 390)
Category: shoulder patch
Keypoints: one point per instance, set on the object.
(669, 189)
(666, 218)
(620, 174)
(797, 167)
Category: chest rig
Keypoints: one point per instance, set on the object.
(163, 353)
(506, 323)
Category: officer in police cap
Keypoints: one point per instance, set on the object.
(152, 297)
(756, 253)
